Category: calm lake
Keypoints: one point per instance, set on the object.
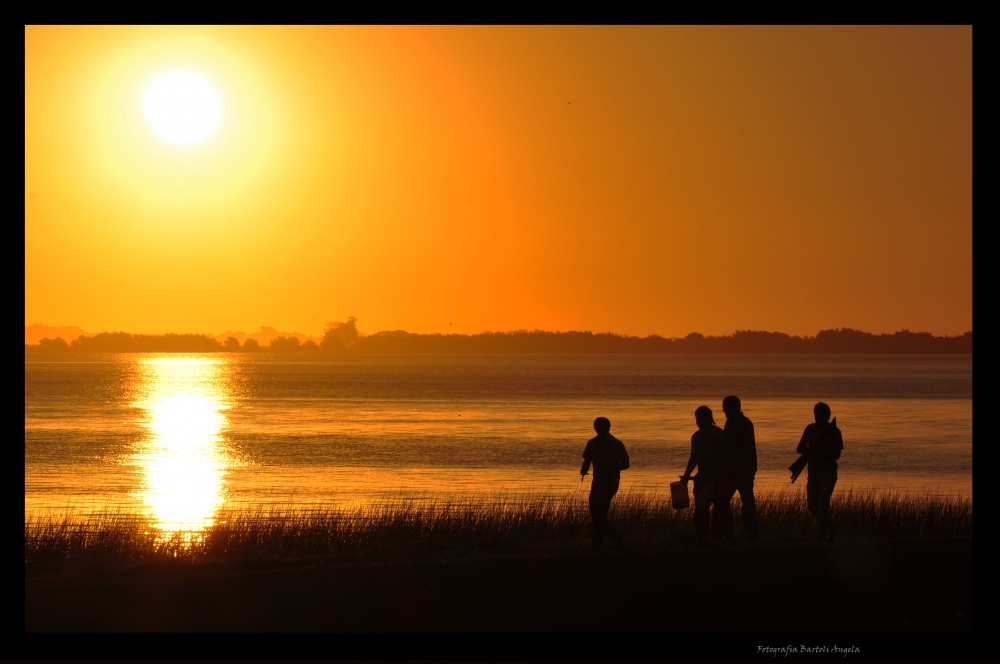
(178, 436)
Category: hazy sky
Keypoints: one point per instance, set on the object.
(637, 180)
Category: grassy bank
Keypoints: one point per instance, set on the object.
(414, 530)
(862, 586)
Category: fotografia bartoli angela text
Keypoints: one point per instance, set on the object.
(785, 651)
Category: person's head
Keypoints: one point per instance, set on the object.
(703, 416)
(602, 425)
(731, 406)
(822, 413)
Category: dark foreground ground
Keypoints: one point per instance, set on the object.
(916, 585)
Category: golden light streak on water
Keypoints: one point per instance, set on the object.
(183, 462)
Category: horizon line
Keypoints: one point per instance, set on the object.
(268, 330)
(344, 337)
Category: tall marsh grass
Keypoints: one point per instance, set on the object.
(498, 523)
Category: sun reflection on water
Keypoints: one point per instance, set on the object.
(182, 461)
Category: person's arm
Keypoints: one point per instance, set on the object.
(803, 447)
(692, 462)
(587, 454)
(585, 467)
(623, 462)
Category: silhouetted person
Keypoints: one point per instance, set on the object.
(738, 463)
(609, 458)
(822, 442)
(706, 443)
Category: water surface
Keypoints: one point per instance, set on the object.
(177, 436)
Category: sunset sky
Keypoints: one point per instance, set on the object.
(641, 180)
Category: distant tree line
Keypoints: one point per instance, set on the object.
(743, 341)
(344, 337)
(123, 342)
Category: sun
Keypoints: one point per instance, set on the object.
(182, 107)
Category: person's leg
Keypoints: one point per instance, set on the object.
(701, 511)
(612, 533)
(722, 515)
(610, 530)
(833, 524)
(814, 500)
(748, 513)
(812, 495)
(600, 503)
(701, 522)
(598, 517)
(824, 493)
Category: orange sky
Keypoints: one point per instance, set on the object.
(637, 180)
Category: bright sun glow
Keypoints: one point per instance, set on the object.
(182, 107)
(183, 463)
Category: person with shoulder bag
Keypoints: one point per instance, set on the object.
(820, 447)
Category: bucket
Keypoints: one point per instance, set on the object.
(679, 495)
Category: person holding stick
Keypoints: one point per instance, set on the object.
(705, 447)
(609, 458)
(820, 447)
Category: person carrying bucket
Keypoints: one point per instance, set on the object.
(705, 444)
